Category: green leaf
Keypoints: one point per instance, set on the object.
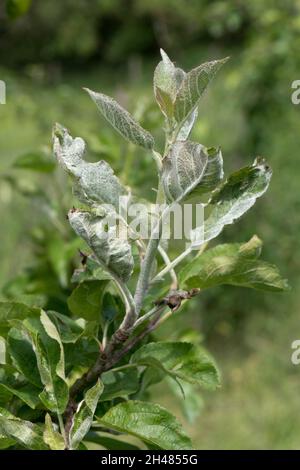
(235, 197)
(191, 169)
(109, 443)
(91, 271)
(49, 352)
(109, 307)
(69, 330)
(61, 254)
(23, 356)
(167, 80)
(83, 418)
(192, 403)
(27, 393)
(234, 264)
(121, 120)
(86, 300)
(16, 8)
(112, 252)
(15, 311)
(6, 442)
(35, 161)
(183, 361)
(25, 433)
(149, 422)
(95, 183)
(192, 88)
(51, 437)
(119, 384)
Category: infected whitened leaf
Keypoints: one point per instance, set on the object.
(237, 195)
(192, 88)
(191, 169)
(94, 182)
(121, 120)
(112, 252)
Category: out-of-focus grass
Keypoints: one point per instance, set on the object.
(249, 333)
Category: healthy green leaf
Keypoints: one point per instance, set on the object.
(23, 356)
(91, 271)
(191, 169)
(109, 443)
(183, 361)
(25, 433)
(69, 330)
(149, 422)
(119, 384)
(51, 437)
(237, 195)
(121, 120)
(83, 418)
(112, 252)
(95, 183)
(35, 161)
(192, 404)
(192, 88)
(16, 8)
(86, 300)
(109, 307)
(15, 311)
(27, 393)
(234, 264)
(6, 442)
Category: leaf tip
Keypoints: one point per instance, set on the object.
(165, 57)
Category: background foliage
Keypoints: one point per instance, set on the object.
(53, 50)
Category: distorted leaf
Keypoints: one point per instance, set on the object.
(111, 251)
(97, 181)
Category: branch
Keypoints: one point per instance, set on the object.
(172, 265)
(167, 261)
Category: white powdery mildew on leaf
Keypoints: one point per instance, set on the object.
(122, 120)
(167, 80)
(191, 168)
(237, 195)
(112, 252)
(83, 418)
(192, 88)
(94, 182)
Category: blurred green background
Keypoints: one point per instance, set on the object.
(49, 51)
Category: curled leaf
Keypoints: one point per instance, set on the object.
(112, 252)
